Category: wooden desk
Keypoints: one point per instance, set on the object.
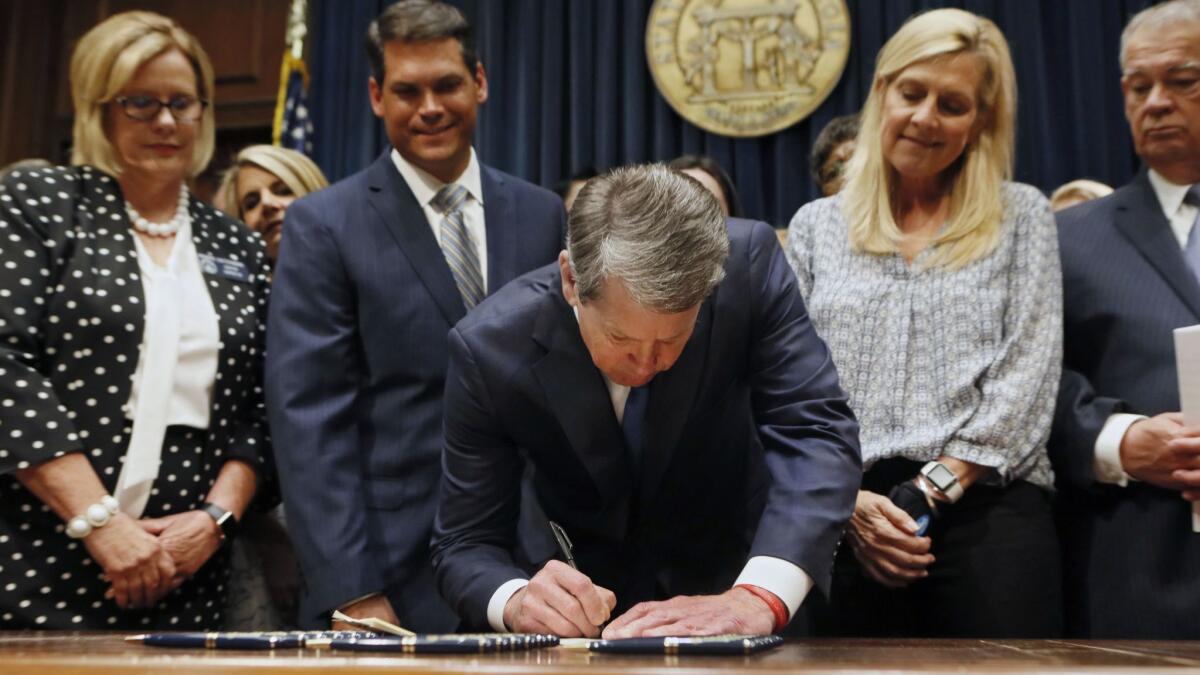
(60, 653)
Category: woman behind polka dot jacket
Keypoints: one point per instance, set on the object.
(132, 434)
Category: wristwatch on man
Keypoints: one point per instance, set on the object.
(225, 519)
(943, 480)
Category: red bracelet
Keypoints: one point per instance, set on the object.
(779, 609)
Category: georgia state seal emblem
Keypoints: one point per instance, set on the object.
(747, 67)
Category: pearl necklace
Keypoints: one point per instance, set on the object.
(167, 229)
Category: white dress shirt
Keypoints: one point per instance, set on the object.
(785, 579)
(1182, 217)
(425, 187)
(199, 334)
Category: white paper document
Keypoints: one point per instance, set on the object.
(1187, 364)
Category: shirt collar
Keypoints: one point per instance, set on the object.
(425, 187)
(1170, 195)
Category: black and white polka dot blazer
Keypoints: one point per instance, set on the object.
(71, 319)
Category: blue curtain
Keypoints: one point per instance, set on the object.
(569, 88)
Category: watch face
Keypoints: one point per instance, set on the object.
(941, 477)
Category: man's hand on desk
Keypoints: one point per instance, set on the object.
(736, 611)
(559, 600)
(1160, 450)
(376, 606)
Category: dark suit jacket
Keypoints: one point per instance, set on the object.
(1132, 561)
(362, 301)
(751, 448)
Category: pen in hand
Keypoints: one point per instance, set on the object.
(564, 543)
(555, 580)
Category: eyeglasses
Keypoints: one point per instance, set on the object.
(146, 108)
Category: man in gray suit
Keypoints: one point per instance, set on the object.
(1127, 466)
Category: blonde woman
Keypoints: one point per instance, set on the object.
(131, 339)
(936, 283)
(263, 181)
(1077, 191)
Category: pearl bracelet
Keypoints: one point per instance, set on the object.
(95, 516)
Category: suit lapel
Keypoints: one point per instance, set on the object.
(208, 245)
(125, 278)
(502, 240)
(1140, 218)
(671, 396)
(578, 397)
(227, 304)
(399, 211)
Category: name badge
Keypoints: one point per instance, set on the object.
(224, 267)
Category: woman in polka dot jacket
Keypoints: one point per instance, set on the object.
(132, 432)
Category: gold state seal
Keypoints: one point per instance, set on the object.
(747, 67)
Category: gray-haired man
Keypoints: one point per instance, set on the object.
(1127, 466)
(678, 416)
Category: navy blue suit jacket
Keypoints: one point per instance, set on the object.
(1132, 561)
(751, 448)
(361, 304)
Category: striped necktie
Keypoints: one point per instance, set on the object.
(457, 245)
(1192, 250)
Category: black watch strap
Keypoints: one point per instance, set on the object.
(225, 519)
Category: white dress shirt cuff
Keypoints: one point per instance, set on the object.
(787, 581)
(495, 612)
(1107, 463)
(360, 598)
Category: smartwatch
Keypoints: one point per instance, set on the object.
(943, 480)
(225, 519)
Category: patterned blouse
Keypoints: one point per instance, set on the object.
(962, 363)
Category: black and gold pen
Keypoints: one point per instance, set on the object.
(564, 543)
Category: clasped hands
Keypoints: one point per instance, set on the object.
(563, 601)
(148, 558)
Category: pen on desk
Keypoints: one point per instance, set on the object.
(564, 543)
(712, 645)
(244, 640)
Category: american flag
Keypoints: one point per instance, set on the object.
(293, 125)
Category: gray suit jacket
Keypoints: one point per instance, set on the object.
(1132, 563)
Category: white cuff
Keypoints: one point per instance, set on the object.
(1107, 462)
(495, 612)
(360, 598)
(790, 583)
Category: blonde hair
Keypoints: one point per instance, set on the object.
(1083, 189)
(976, 208)
(106, 59)
(295, 169)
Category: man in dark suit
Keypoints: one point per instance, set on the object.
(1126, 465)
(675, 413)
(372, 273)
